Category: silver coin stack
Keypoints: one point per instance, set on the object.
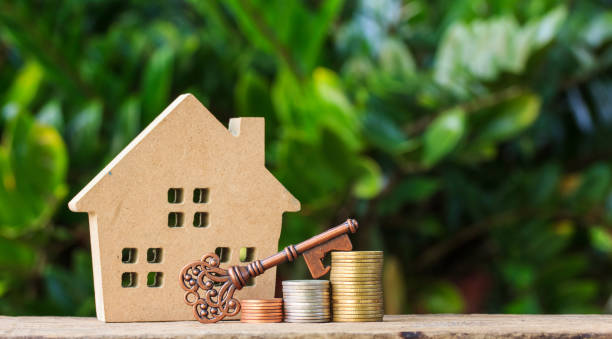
(306, 301)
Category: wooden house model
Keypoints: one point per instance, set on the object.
(184, 187)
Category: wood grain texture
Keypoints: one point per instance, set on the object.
(184, 149)
(394, 326)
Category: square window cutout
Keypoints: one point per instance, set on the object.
(154, 255)
(200, 195)
(175, 195)
(128, 279)
(247, 254)
(154, 279)
(200, 219)
(175, 219)
(128, 255)
(223, 253)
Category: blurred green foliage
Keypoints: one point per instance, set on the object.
(471, 138)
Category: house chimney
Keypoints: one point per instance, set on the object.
(251, 132)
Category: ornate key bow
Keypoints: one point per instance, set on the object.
(211, 303)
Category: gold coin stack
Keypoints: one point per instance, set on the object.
(261, 310)
(306, 301)
(356, 279)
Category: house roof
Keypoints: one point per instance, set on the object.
(236, 129)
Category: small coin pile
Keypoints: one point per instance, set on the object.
(261, 310)
(356, 279)
(306, 301)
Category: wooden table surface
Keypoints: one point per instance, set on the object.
(394, 326)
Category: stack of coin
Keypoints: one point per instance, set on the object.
(356, 279)
(261, 310)
(306, 301)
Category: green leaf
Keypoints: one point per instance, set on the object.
(340, 115)
(601, 239)
(386, 135)
(83, 131)
(528, 304)
(25, 86)
(51, 115)
(412, 189)
(370, 180)
(395, 59)
(443, 135)
(156, 83)
(594, 187)
(510, 119)
(127, 125)
(520, 275)
(444, 297)
(481, 50)
(599, 30)
(289, 30)
(15, 255)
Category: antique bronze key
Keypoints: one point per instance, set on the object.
(201, 279)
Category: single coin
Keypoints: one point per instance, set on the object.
(306, 309)
(304, 282)
(307, 298)
(249, 315)
(357, 320)
(260, 302)
(364, 273)
(308, 316)
(306, 304)
(353, 270)
(307, 321)
(260, 307)
(375, 265)
(262, 321)
(343, 253)
(356, 270)
(306, 291)
(307, 312)
(346, 273)
(359, 293)
(356, 279)
(261, 318)
(357, 303)
(356, 316)
(351, 285)
(307, 301)
(361, 316)
(357, 310)
(378, 266)
(361, 256)
(366, 284)
(352, 277)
